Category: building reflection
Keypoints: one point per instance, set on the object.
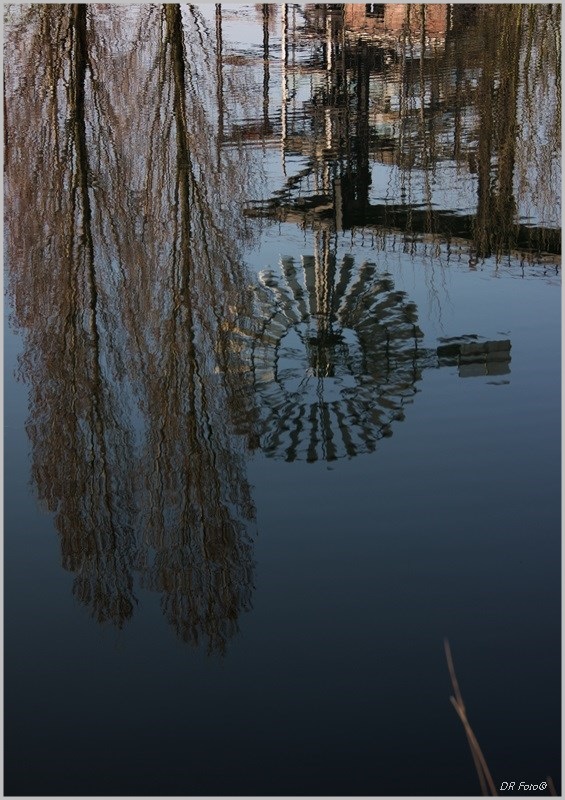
(365, 85)
(380, 19)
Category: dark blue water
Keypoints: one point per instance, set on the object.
(248, 490)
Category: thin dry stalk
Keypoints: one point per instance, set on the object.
(485, 778)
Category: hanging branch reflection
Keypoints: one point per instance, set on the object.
(81, 444)
(124, 265)
(200, 503)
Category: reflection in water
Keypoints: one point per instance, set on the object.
(336, 359)
(122, 263)
(338, 355)
(146, 148)
(198, 498)
(124, 242)
(461, 106)
(475, 357)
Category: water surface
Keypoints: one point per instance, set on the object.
(282, 397)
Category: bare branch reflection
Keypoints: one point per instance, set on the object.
(122, 243)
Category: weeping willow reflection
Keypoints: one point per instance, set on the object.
(339, 354)
(199, 500)
(82, 445)
(122, 263)
(508, 75)
(469, 136)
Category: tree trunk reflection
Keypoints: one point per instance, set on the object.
(125, 271)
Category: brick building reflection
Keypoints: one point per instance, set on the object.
(374, 19)
(363, 85)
